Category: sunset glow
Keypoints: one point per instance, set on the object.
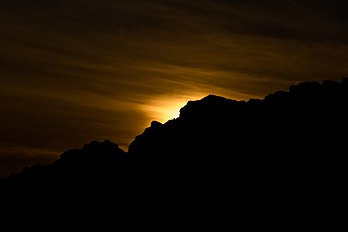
(166, 108)
(82, 70)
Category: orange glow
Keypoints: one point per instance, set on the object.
(165, 108)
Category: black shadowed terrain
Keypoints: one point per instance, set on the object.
(289, 145)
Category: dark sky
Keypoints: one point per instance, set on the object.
(77, 70)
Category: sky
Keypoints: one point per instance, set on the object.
(73, 71)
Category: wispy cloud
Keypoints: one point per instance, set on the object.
(72, 71)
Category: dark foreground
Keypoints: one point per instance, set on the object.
(285, 152)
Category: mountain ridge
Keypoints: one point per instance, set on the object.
(286, 136)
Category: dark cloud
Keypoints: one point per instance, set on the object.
(73, 71)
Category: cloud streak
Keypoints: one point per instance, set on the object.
(73, 71)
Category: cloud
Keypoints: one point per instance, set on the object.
(72, 71)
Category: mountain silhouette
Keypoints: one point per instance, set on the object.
(287, 148)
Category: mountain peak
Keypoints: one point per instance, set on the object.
(287, 137)
(92, 153)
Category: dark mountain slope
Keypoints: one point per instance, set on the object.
(300, 127)
(288, 142)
